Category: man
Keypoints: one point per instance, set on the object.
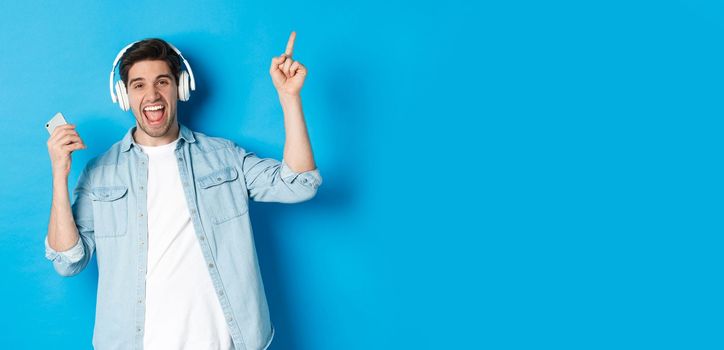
(166, 210)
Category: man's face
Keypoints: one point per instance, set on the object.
(153, 94)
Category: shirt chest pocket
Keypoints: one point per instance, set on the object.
(110, 211)
(222, 194)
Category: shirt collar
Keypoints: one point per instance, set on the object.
(184, 133)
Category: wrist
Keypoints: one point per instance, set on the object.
(60, 176)
(287, 98)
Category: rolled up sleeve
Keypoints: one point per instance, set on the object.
(70, 256)
(271, 180)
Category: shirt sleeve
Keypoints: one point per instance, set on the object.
(70, 256)
(271, 180)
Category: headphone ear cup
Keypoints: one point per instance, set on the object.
(122, 95)
(183, 86)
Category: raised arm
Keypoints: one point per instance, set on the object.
(62, 232)
(288, 77)
(69, 243)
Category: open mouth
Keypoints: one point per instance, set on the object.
(154, 113)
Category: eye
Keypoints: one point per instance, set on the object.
(163, 82)
(137, 86)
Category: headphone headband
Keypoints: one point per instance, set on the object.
(120, 54)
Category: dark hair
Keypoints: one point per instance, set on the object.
(150, 49)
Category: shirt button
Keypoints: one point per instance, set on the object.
(138, 329)
(140, 215)
(141, 188)
(140, 301)
(201, 238)
(221, 292)
(211, 266)
(179, 158)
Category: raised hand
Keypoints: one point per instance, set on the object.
(61, 144)
(287, 74)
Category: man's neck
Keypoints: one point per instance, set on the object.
(144, 139)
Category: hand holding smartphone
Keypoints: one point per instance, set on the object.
(63, 140)
(54, 122)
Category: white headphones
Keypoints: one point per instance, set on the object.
(185, 81)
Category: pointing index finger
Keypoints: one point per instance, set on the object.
(290, 44)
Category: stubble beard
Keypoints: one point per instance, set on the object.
(157, 131)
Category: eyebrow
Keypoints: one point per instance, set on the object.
(158, 77)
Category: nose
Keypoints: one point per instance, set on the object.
(153, 95)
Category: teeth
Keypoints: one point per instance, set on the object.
(153, 108)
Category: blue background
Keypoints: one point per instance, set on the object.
(497, 175)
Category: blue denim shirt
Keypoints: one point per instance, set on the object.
(218, 179)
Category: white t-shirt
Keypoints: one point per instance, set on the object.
(182, 310)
